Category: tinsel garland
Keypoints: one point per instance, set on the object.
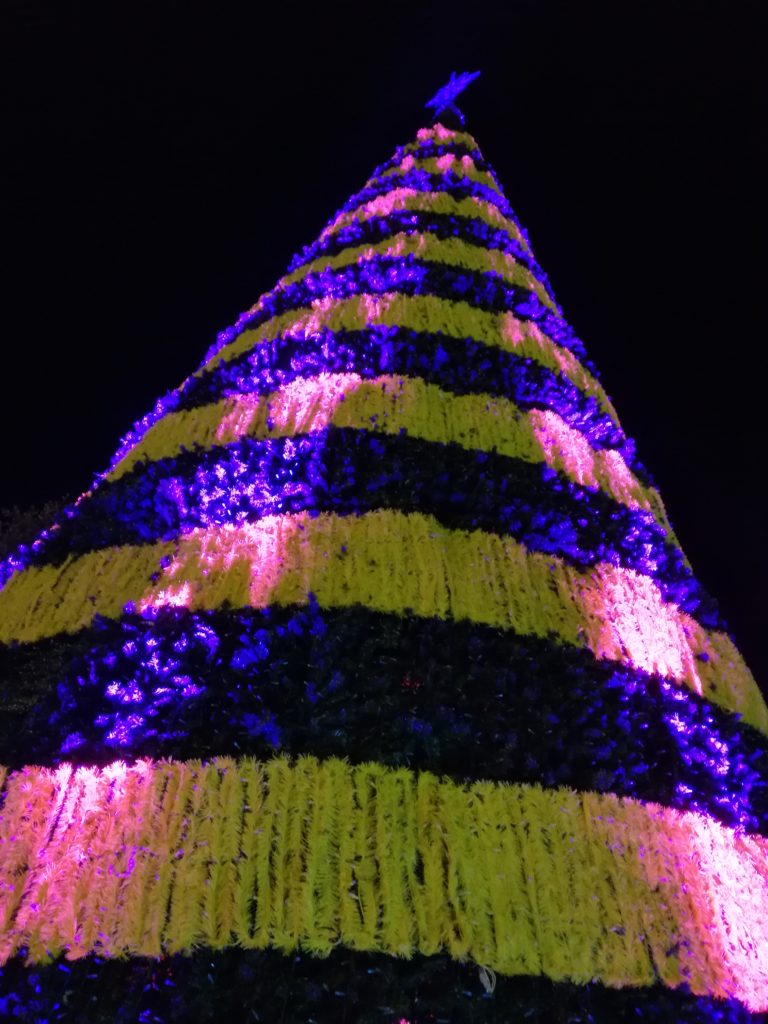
(432, 148)
(390, 322)
(369, 353)
(394, 404)
(459, 187)
(403, 200)
(463, 166)
(410, 199)
(456, 184)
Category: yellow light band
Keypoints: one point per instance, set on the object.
(165, 857)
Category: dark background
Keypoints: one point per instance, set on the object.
(163, 161)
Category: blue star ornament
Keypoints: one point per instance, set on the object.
(444, 99)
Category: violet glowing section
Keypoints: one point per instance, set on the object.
(496, 261)
(373, 311)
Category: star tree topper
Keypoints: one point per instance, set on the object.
(444, 98)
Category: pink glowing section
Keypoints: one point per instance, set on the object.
(302, 406)
(722, 876)
(627, 620)
(175, 595)
(239, 414)
(397, 246)
(352, 312)
(623, 484)
(257, 555)
(381, 206)
(311, 403)
(516, 333)
(63, 822)
(448, 162)
(733, 887)
(437, 131)
(567, 450)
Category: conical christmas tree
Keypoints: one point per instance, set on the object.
(370, 682)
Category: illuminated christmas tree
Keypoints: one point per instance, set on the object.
(370, 682)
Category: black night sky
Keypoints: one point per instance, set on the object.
(163, 162)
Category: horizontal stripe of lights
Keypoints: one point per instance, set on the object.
(348, 471)
(392, 403)
(424, 693)
(507, 233)
(160, 858)
(438, 133)
(433, 148)
(461, 365)
(390, 562)
(407, 275)
(423, 181)
(462, 166)
(453, 252)
(423, 313)
(404, 199)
